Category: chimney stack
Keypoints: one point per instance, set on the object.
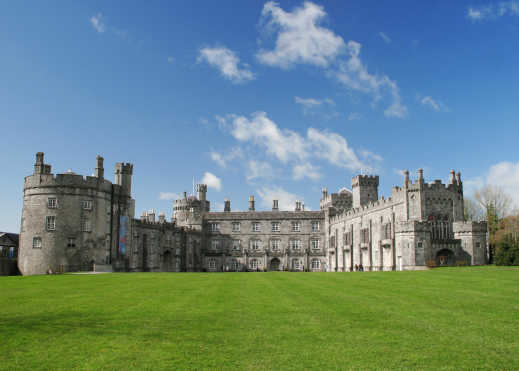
(227, 205)
(275, 206)
(406, 178)
(100, 170)
(298, 205)
(251, 203)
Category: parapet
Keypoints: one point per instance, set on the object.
(365, 180)
(469, 227)
(124, 168)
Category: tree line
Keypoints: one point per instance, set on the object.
(493, 205)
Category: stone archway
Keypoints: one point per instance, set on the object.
(445, 258)
(275, 264)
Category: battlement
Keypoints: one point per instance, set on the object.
(381, 203)
(365, 180)
(124, 168)
(70, 180)
(469, 227)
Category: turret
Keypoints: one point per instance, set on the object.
(420, 176)
(123, 176)
(227, 205)
(39, 166)
(365, 189)
(100, 171)
(202, 191)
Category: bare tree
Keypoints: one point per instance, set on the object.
(491, 196)
(472, 210)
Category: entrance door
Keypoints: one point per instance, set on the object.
(275, 264)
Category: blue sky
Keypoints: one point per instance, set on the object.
(254, 97)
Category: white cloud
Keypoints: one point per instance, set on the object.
(306, 170)
(258, 169)
(309, 104)
(227, 62)
(290, 146)
(97, 22)
(370, 155)
(212, 181)
(384, 37)
(224, 159)
(169, 196)
(506, 175)
(300, 38)
(435, 105)
(286, 200)
(354, 75)
(492, 11)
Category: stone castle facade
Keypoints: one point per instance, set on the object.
(71, 223)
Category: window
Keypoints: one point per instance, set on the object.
(255, 244)
(86, 204)
(215, 244)
(36, 242)
(214, 227)
(71, 242)
(316, 226)
(275, 226)
(364, 235)
(212, 264)
(274, 245)
(347, 239)
(296, 264)
(254, 264)
(478, 245)
(386, 231)
(86, 226)
(295, 244)
(316, 264)
(51, 223)
(236, 226)
(234, 265)
(52, 202)
(256, 227)
(419, 245)
(315, 244)
(296, 226)
(236, 245)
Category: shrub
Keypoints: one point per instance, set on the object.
(507, 252)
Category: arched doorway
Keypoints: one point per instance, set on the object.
(445, 257)
(275, 264)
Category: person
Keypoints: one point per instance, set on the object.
(361, 268)
(356, 267)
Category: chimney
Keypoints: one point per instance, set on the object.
(162, 218)
(420, 176)
(458, 178)
(151, 216)
(298, 205)
(303, 206)
(406, 178)
(227, 205)
(251, 203)
(275, 206)
(100, 171)
(452, 179)
(325, 193)
(144, 216)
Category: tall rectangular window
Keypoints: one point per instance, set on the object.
(275, 226)
(315, 244)
(255, 244)
(86, 226)
(274, 245)
(36, 242)
(52, 202)
(316, 226)
(256, 227)
(50, 222)
(215, 244)
(215, 227)
(236, 226)
(296, 226)
(71, 242)
(236, 245)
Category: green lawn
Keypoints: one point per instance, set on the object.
(450, 318)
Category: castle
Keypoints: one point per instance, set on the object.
(73, 223)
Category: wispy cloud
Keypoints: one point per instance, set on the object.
(97, 22)
(309, 104)
(434, 104)
(286, 200)
(258, 169)
(169, 196)
(223, 159)
(227, 62)
(354, 116)
(384, 37)
(306, 170)
(492, 11)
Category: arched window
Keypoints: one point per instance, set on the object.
(254, 264)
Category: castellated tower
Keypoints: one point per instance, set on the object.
(188, 211)
(70, 222)
(365, 189)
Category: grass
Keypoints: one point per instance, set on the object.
(448, 318)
